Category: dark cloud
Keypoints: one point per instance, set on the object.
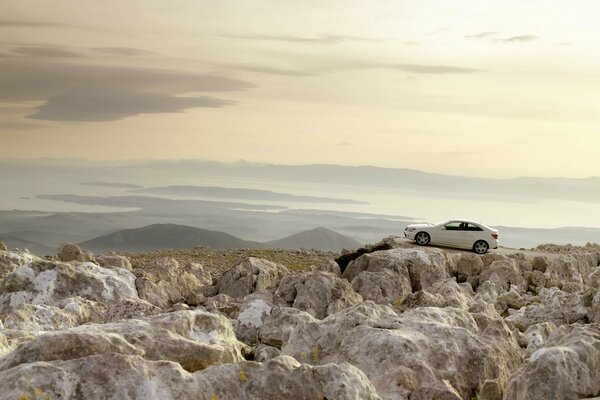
(517, 39)
(74, 92)
(98, 104)
(481, 35)
(433, 69)
(44, 51)
(121, 51)
(321, 39)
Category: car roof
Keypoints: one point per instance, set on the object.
(465, 220)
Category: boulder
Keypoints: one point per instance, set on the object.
(566, 366)
(423, 268)
(72, 252)
(165, 282)
(194, 339)
(318, 293)
(3, 247)
(49, 283)
(551, 305)
(383, 287)
(404, 354)
(116, 376)
(504, 273)
(250, 318)
(113, 260)
(468, 268)
(250, 275)
(331, 267)
(280, 323)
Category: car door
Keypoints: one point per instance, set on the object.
(451, 234)
(473, 234)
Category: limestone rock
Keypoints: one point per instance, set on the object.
(280, 323)
(318, 293)
(564, 274)
(3, 247)
(10, 260)
(566, 367)
(423, 267)
(113, 260)
(72, 252)
(250, 275)
(164, 282)
(403, 353)
(490, 390)
(194, 339)
(551, 305)
(48, 283)
(250, 318)
(468, 268)
(504, 273)
(265, 352)
(383, 287)
(117, 376)
(331, 267)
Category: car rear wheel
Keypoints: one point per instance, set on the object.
(422, 238)
(480, 247)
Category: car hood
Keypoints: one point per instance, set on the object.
(425, 225)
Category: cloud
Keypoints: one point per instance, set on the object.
(481, 35)
(321, 39)
(122, 51)
(72, 92)
(433, 69)
(345, 144)
(83, 105)
(18, 126)
(44, 51)
(268, 70)
(517, 39)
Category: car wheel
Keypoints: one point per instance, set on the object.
(480, 247)
(422, 238)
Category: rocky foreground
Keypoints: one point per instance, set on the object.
(402, 323)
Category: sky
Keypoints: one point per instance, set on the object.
(483, 88)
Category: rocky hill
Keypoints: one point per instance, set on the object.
(318, 238)
(157, 236)
(173, 236)
(396, 322)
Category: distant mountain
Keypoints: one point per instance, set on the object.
(14, 242)
(171, 236)
(161, 236)
(242, 193)
(318, 238)
(117, 185)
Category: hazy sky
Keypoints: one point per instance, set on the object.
(483, 88)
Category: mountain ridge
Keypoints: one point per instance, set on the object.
(161, 236)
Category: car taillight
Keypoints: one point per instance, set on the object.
(495, 235)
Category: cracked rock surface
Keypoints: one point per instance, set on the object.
(399, 323)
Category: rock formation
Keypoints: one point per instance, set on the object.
(395, 322)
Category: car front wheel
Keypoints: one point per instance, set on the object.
(480, 247)
(422, 238)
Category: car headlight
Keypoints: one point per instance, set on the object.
(410, 229)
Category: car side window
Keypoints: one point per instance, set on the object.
(471, 227)
(452, 226)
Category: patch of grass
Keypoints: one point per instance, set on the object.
(218, 261)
